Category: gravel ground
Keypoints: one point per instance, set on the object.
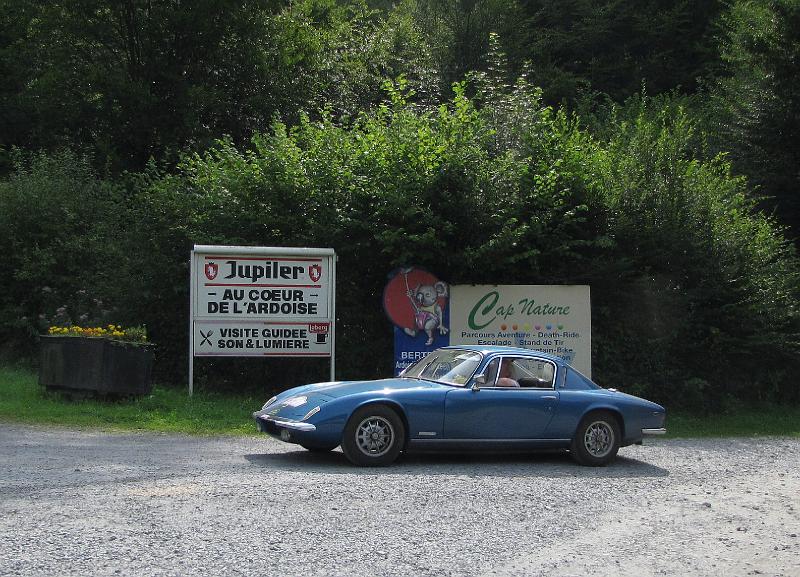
(99, 503)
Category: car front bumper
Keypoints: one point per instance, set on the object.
(284, 429)
(283, 423)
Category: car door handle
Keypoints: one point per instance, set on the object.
(550, 397)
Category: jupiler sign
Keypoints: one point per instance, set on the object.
(262, 301)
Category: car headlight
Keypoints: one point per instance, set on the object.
(296, 401)
(268, 403)
(311, 413)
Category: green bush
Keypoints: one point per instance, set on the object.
(62, 241)
(710, 285)
(694, 294)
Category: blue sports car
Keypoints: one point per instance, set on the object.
(464, 398)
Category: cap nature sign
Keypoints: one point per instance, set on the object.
(555, 319)
(261, 301)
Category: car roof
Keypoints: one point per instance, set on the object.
(497, 349)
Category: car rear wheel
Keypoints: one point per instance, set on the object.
(373, 437)
(596, 440)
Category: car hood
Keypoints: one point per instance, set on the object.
(334, 390)
(284, 406)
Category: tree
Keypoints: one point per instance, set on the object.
(133, 80)
(457, 32)
(612, 46)
(755, 100)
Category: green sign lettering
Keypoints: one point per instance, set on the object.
(492, 296)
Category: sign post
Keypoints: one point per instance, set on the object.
(262, 302)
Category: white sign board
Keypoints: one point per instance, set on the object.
(262, 301)
(549, 318)
(264, 287)
(261, 339)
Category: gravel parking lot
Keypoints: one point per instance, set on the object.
(98, 503)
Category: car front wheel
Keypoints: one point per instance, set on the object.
(373, 437)
(596, 440)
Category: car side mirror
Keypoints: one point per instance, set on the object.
(477, 381)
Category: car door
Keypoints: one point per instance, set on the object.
(497, 412)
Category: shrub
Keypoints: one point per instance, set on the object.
(694, 293)
(62, 239)
(715, 281)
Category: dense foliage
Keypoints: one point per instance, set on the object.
(692, 291)
(754, 108)
(61, 226)
(133, 80)
(516, 143)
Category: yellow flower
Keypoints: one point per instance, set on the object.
(109, 331)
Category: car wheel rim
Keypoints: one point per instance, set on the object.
(374, 436)
(599, 439)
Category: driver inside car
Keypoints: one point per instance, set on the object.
(505, 378)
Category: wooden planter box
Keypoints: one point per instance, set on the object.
(96, 364)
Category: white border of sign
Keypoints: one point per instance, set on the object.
(267, 252)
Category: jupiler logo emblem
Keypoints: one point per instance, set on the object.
(315, 272)
(211, 270)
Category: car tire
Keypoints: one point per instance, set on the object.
(596, 439)
(318, 449)
(373, 437)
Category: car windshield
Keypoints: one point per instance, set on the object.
(448, 366)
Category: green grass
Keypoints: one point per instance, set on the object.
(779, 421)
(22, 400)
(171, 410)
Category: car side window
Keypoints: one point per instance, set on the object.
(506, 374)
(532, 373)
(519, 373)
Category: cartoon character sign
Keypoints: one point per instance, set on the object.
(428, 314)
(415, 302)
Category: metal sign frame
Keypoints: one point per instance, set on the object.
(268, 252)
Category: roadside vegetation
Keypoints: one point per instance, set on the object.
(765, 420)
(171, 410)
(167, 409)
(647, 149)
(694, 292)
